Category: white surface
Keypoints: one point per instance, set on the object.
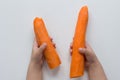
(60, 16)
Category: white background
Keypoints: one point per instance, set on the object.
(60, 16)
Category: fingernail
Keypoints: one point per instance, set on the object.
(71, 47)
(80, 49)
(71, 52)
(54, 45)
(51, 39)
(45, 44)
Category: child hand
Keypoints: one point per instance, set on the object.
(37, 53)
(90, 57)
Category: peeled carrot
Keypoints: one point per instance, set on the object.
(42, 36)
(77, 63)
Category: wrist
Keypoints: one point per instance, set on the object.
(35, 65)
(94, 64)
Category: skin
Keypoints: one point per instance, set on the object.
(36, 62)
(92, 64)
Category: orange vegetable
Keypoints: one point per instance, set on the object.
(77, 64)
(42, 36)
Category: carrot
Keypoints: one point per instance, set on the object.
(77, 63)
(42, 36)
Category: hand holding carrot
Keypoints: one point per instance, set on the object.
(37, 53)
(92, 64)
(35, 66)
(36, 61)
(82, 53)
(90, 57)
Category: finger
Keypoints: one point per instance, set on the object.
(87, 65)
(53, 42)
(54, 45)
(42, 60)
(84, 51)
(70, 51)
(35, 44)
(71, 45)
(42, 48)
(88, 46)
(41, 57)
(51, 39)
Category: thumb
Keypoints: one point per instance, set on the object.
(39, 52)
(85, 51)
(42, 48)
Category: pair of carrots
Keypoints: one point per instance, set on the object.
(51, 56)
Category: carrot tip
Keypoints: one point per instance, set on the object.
(37, 18)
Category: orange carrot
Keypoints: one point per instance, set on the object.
(42, 36)
(77, 63)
